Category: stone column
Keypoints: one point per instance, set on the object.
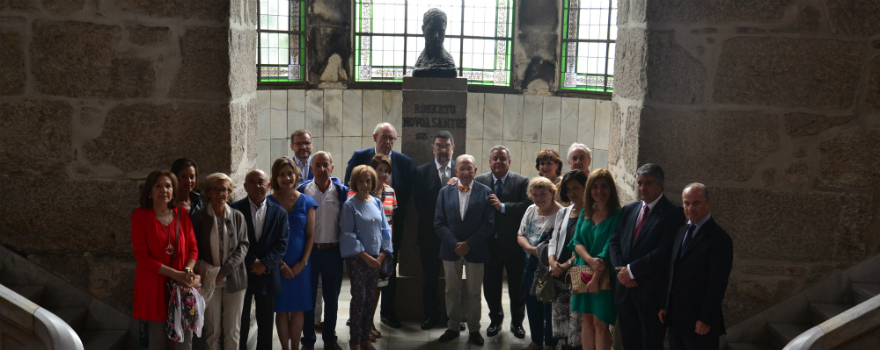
(774, 106)
(95, 95)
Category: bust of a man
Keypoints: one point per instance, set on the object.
(434, 61)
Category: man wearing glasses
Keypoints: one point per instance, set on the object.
(402, 180)
(301, 145)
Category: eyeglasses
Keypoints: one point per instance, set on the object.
(387, 139)
(464, 170)
(446, 147)
(300, 144)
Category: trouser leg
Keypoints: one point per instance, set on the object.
(515, 265)
(264, 306)
(245, 322)
(231, 320)
(316, 262)
(331, 279)
(474, 282)
(630, 325)
(431, 266)
(534, 307)
(493, 277)
(452, 273)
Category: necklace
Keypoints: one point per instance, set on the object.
(170, 248)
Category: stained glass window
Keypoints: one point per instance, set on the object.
(589, 36)
(281, 41)
(388, 38)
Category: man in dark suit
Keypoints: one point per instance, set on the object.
(464, 221)
(640, 249)
(267, 233)
(429, 179)
(402, 181)
(509, 201)
(301, 145)
(702, 256)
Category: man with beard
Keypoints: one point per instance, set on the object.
(510, 199)
(301, 145)
(429, 179)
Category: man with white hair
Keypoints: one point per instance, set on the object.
(464, 220)
(401, 180)
(579, 157)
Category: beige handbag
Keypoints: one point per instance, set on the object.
(585, 272)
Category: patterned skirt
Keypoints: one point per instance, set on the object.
(566, 322)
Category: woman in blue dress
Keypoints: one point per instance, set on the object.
(296, 280)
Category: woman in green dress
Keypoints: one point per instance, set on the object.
(598, 221)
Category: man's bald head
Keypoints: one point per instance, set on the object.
(256, 184)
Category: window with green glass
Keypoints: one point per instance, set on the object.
(589, 36)
(388, 38)
(281, 41)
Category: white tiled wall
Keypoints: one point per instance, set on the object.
(342, 121)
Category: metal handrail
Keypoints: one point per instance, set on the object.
(839, 329)
(50, 329)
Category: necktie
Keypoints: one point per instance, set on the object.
(498, 188)
(688, 237)
(444, 177)
(646, 211)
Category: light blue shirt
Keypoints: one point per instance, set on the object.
(699, 224)
(363, 228)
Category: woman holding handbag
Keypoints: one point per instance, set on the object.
(593, 233)
(566, 323)
(364, 241)
(537, 226)
(165, 247)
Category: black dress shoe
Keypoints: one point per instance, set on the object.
(476, 339)
(391, 321)
(518, 331)
(429, 323)
(493, 329)
(463, 326)
(448, 335)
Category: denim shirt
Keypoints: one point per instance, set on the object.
(363, 228)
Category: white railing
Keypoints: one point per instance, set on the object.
(836, 331)
(39, 325)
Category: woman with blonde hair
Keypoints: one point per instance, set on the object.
(537, 226)
(593, 233)
(296, 283)
(221, 233)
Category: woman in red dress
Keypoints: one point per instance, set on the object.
(160, 231)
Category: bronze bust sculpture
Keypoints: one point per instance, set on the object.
(434, 61)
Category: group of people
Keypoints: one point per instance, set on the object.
(655, 265)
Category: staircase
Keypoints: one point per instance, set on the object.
(98, 325)
(778, 325)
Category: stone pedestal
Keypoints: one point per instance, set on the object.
(429, 105)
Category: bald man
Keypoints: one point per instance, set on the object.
(267, 233)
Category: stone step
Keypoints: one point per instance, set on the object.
(823, 311)
(782, 333)
(861, 291)
(32, 293)
(103, 339)
(748, 346)
(73, 316)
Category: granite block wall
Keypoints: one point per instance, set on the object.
(774, 105)
(96, 94)
(524, 123)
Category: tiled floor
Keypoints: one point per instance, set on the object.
(411, 336)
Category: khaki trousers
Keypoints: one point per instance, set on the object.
(223, 317)
(474, 282)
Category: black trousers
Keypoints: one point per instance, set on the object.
(493, 276)
(432, 266)
(640, 327)
(677, 341)
(265, 310)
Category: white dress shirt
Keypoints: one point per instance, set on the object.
(440, 170)
(258, 214)
(327, 213)
(639, 219)
(463, 199)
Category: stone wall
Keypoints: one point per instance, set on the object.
(776, 106)
(342, 121)
(94, 96)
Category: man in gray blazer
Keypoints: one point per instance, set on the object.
(464, 220)
(509, 199)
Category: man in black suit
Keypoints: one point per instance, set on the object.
(402, 181)
(510, 199)
(702, 256)
(268, 234)
(640, 249)
(429, 179)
